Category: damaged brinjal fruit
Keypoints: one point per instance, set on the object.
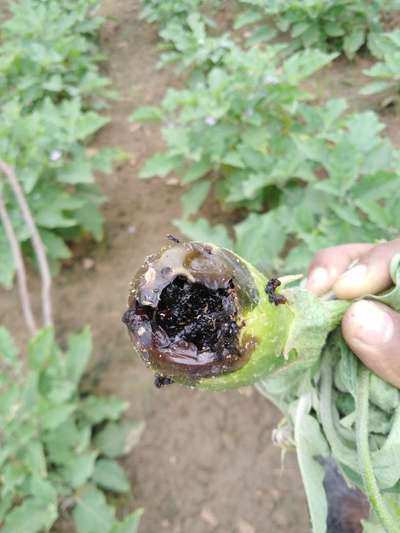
(200, 315)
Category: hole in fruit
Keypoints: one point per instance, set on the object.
(192, 332)
(198, 315)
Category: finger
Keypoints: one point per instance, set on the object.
(329, 263)
(372, 331)
(371, 274)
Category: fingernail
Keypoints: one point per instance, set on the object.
(371, 324)
(354, 275)
(318, 279)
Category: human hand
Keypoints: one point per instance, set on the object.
(371, 329)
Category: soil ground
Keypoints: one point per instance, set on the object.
(205, 462)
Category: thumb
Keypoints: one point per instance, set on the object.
(372, 331)
(370, 275)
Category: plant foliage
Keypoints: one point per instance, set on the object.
(351, 195)
(58, 446)
(243, 129)
(50, 86)
(330, 25)
(386, 47)
(163, 11)
(234, 127)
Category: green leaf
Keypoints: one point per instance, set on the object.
(89, 123)
(54, 83)
(233, 159)
(145, 113)
(382, 394)
(194, 198)
(386, 460)
(67, 441)
(40, 348)
(130, 524)
(97, 409)
(196, 171)
(353, 42)
(264, 33)
(78, 171)
(299, 28)
(302, 64)
(52, 415)
(55, 246)
(375, 87)
(104, 159)
(364, 129)
(8, 348)
(6, 504)
(333, 29)
(53, 217)
(260, 238)
(159, 165)
(201, 230)
(34, 458)
(30, 517)
(375, 212)
(347, 213)
(92, 514)
(245, 18)
(118, 439)
(44, 491)
(78, 354)
(91, 220)
(79, 469)
(109, 475)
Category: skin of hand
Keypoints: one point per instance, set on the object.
(371, 329)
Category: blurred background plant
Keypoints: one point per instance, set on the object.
(246, 131)
(333, 25)
(59, 438)
(50, 93)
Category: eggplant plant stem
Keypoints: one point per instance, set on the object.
(370, 483)
(19, 268)
(37, 243)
